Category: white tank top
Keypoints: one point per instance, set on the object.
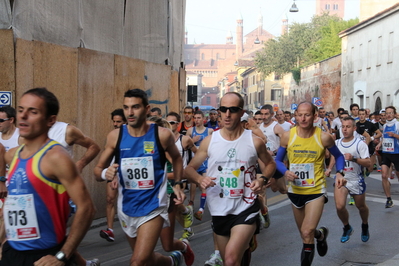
(11, 142)
(358, 149)
(273, 141)
(58, 133)
(233, 164)
(183, 153)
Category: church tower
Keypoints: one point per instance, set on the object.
(240, 37)
(284, 25)
(229, 38)
(332, 7)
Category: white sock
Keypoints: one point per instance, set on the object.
(216, 252)
(110, 229)
(185, 247)
(173, 261)
(201, 210)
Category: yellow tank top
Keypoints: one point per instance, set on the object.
(306, 157)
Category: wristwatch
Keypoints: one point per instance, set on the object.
(354, 159)
(3, 179)
(61, 256)
(265, 179)
(341, 172)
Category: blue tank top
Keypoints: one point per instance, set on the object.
(390, 144)
(142, 172)
(202, 135)
(37, 207)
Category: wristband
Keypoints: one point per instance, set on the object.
(103, 174)
(372, 138)
(265, 179)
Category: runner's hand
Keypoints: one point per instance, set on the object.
(207, 182)
(111, 172)
(180, 196)
(48, 260)
(290, 176)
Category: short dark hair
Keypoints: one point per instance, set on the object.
(175, 115)
(118, 112)
(156, 109)
(362, 110)
(268, 107)
(199, 112)
(188, 107)
(137, 93)
(51, 102)
(258, 113)
(340, 110)
(287, 112)
(353, 105)
(10, 112)
(391, 107)
(348, 118)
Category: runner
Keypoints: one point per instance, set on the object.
(305, 145)
(142, 200)
(356, 156)
(43, 173)
(231, 181)
(118, 119)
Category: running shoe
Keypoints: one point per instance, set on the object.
(214, 260)
(187, 234)
(93, 262)
(266, 217)
(253, 244)
(365, 235)
(107, 235)
(188, 254)
(379, 169)
(389, 204)
(191, 203)
(177, 258)
(188, 217)
(261, 221)
(198, 215)
(351, 201)
(346, 235)
(322, 246)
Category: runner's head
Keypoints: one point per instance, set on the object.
(305, 115)
(231, 106)
(267, 113)
(135, 107)
(118, 118)
(348, 127)
(37, 112)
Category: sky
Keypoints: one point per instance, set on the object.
(209, 21)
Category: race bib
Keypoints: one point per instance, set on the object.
(348, 166)
(232, 183)
(388, 145)
(268, 146)
(20, 218)
(138, 172)
(305, 173)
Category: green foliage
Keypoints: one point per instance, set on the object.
(296, 74)
(304, 44)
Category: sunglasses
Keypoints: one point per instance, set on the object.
(233, 109)
(188, 113)
(2, 120)
(173, 122)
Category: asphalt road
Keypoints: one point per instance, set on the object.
(280, 244)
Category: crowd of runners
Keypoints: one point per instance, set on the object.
(153, 164)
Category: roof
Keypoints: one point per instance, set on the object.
(364, 23)
(201, 64)
(263, 33)
(209, 46)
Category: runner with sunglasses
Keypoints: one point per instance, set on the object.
(188, 120)
(231, 181)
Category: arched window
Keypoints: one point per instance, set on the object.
(202, 56)
(217, 56)
(378, 105)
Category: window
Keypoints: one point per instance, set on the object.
(217, 56)
(208, 100)
(335, 6)
(202, 56)
(327, 7)
(379, 47)
(390, 47)
(275, 95)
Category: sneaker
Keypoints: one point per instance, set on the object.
(198, 215)
(389, 204)
(346, 235)
(188, 254)
(188, 217)
(177, 257)
(214, 260)
(107, 235)
(351, 201)
(379, 169)
(365, 235)
(187, 234)
(190, 203)
(322, 246)
(93, 262)
(261, 221)
(266, 217)
(253, 244)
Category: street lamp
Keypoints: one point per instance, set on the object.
(294, 8)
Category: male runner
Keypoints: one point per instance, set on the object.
(140, 161)
(356, 156)
(118, 119)
(188, 120)
(389, 145)
(305, 145)
(42, 174)
(231, 182)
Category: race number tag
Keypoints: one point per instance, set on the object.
(305, 173)
(348, 166)
(388, 145)
(20, 218)
(232, 182)
(268, 146)
(138, 172)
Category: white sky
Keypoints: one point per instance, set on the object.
(209, 21)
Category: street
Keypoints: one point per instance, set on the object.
(280, 244)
